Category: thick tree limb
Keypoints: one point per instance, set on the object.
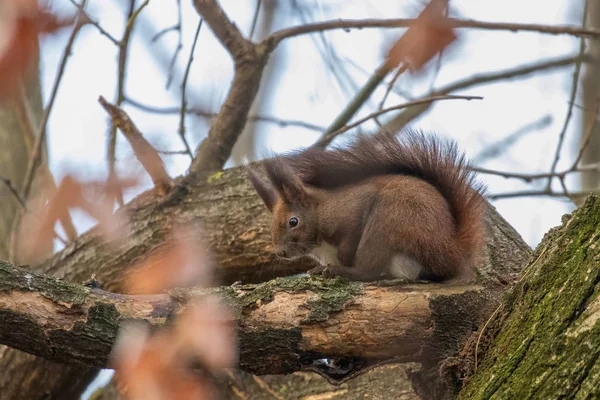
(237, 227)
(544, 341)
(283, 326)
(250, 61)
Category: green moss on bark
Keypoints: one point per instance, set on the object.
(12, 278)
(549, 345)
(332, 294)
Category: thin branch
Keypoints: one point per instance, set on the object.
(539, 193)
(96, 24)
(121, 72)
(143, 150)
(178, 28)
(399, 72)
(328, 138)
(572, 97)
(353, 106)
(399, 121)
(528, 178)
(495, 149)
(588, 134)
(183, 92)
(206, 114)
(14, 192)
(163, 32)
(255, 19)
(347, 24)
(23, 205)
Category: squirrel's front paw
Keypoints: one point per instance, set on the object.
(316, 270)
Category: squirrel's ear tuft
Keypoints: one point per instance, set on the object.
(290, 187)
(265, 191)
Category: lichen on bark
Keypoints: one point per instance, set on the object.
(548, 343)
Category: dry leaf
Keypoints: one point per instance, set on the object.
(21, 22)
(71, 194)
(152, 367)
(206, 329)
(427, 36)
(185, 262)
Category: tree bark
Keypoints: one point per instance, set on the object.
(283, 326)
(544, 341)
(590, 85)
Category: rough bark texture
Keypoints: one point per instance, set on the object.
(284, 326)
(590, 85)
(545, 339)
(381, 383)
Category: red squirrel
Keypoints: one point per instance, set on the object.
(387, 206)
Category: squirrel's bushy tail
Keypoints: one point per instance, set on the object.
(425, 156)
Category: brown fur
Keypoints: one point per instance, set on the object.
(382, 196)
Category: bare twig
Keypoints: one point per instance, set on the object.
(399, 121)
(588, 134)
(399, 72)
(328, 138)
(178, 28)
(347, 24)
(573, 196)
(206, 114)
(143, 150)
(495, 149)
(13, 191)
(539, 193)
(22, 203)
(183, 89)
(255, 19)
(573, 95)
(132, 14)
(161, 33)
(96, 24)
(359, 99)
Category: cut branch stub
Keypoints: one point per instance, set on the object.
(145, 153)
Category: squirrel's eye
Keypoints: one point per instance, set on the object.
(293, 222)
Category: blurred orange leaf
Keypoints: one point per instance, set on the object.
(206, 328)
(71, 194)
(153, 367)
(24, 21)
(427, 36)
(184, 262)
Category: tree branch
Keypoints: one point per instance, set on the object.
(403, 118)
(283, 326)
(347, 24)
(250, 61)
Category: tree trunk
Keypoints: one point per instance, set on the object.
(23, 375)
(591, 94)
(544, 341)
